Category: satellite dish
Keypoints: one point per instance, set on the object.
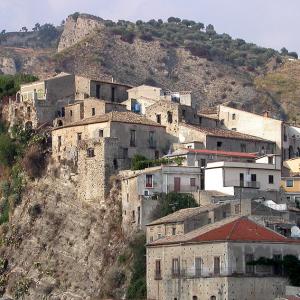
(295, 232)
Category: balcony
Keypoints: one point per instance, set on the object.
(241, 184)
(252, 184)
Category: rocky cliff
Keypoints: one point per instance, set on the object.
(76, 28)
(60, 247)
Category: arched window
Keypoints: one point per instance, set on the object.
(28, 125)
(60, 123)
(213, 298)
(195, 298)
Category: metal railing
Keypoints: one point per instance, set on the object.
(182, 188)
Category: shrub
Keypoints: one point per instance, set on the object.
(34, 162)
(21, 288)
(8, 150)
(35, 211)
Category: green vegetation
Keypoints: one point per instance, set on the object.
(21, 288)
(10, 84)
(171, 202)
(20, 154)
(140, 162)
(290, 264)
(199, 40)
(137, 285)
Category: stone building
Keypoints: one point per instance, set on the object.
(140, 97)
(135, 134)
(139, 190)
(212, 263)
(172, 114)
(186, 220)
(224, 140)
(38, 102)
(87, 108)
(286, 137)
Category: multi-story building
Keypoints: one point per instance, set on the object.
(41, 102)
(286, 137)
(227, 176)
(139, 190)
(212, 262)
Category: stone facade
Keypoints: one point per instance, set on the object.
(186, 268)
(40, 102)
(97, 161)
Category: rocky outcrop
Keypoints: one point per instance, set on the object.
(7, 66)
(76, 28)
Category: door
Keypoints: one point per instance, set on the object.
(177, 184)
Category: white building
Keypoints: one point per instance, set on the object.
(225, 176)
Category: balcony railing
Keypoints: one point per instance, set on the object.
(241, 184)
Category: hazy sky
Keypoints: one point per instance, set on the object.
(270, 23)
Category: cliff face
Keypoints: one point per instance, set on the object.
(77, 28)
(59, 246)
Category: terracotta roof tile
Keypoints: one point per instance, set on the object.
(223, 153)
(224, 133)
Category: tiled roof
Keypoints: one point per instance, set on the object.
(183, 214)
(115, 116)
(234, 229)
(209, 110)
(223, 153)
(224, 133)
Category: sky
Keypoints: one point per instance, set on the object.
(268, 23)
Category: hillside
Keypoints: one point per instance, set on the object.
(178, 54)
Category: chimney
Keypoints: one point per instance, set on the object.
(266, 114)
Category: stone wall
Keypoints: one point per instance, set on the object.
(95, 170)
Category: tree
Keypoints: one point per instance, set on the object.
(210, 30)
(8, 150)
(171, 202)
(174, 20)
(293, 54)
(3, 32)
(36, 27)
(24, 29)
(284, 51)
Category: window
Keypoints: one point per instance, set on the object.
(241, 179)
(183, 112)
(213, 298)
(237, 209)
(133, 216)
(198, 266)
(175, 267)
(132, 138)
(71, 113)
(101, 133)
(289, 183)
(156, 154)
(93, 111)
(233, 116)
(98, 91)
(112, 94)
(90, 152)
(158, 119)
(217, 265)
(115, 163)
(271, 179)
(157, 269)
(249, 269)
(243, 147)
(270, 160)
(200, 120)
(174, 231)
(79, 136)
(59, 143)
(219, 144)
(277, 268)
(193, 181)
(233, 129)
(63, 112)
(149, 180)
(170, 117)
(151, 139)
(202, 162)
(195, 298)
(253, 177)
